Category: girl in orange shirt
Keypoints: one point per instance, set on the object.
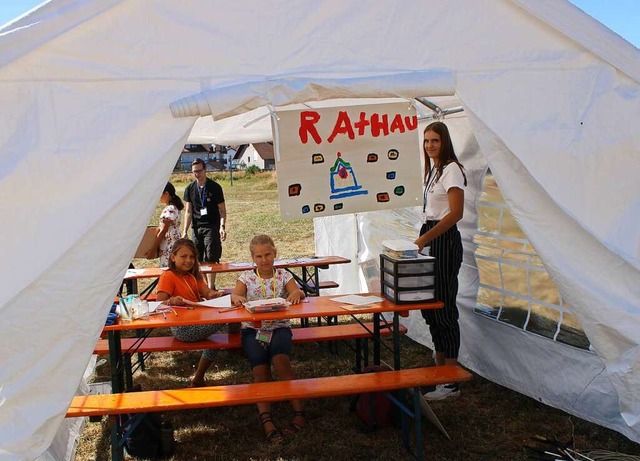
(182, 282)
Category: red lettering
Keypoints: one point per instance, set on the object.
(411, 122)
(396, 124)
(378, 126)
(362, 123)
(308, 120)
(342, 126)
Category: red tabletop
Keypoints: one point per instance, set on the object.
(314, 306)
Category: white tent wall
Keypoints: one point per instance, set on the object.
(603, 288)
(588, 386)
(89, 142)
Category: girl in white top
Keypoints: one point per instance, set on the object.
(271, 342)
(443, 208)
(169, 227)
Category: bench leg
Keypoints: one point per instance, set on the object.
(117, 451)
(396, 341)
(376, 338)
(128, 370)
(415, 413)
(115, 352)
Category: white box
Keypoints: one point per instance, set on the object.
(400, 249)
(100, 388)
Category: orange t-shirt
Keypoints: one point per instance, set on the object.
(186, 286)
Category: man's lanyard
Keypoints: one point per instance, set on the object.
(203, 194)
(431, 180)
(264, 288)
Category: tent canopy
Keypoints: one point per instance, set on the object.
(100, 97)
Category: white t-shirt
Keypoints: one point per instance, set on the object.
(435, 193)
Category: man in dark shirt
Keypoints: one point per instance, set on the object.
(206, 213)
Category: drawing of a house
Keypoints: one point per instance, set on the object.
(343, 180)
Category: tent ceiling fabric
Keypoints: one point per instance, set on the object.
(89, 142)
(223, 102)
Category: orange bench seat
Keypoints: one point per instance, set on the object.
(244, 394)
(233, 341)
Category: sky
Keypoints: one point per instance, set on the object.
(621, 16)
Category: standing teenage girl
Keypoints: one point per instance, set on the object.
(271, 343)
(443, 208)
(169, 228)
(184, 282)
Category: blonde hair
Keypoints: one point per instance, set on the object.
(261, 240)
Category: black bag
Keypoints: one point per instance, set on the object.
(142, 435)
(375, 410)
(146, 435)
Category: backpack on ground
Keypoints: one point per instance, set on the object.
(375, 410)
(146, 435)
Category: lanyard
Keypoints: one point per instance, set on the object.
(203, 193)
(196, 297)
(264, 288)
(431, 180)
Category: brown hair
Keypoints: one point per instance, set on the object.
(199, 161)
(181, 243)
(447, 154)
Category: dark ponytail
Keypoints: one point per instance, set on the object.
(175, 200)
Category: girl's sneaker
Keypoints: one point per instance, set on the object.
(443, 391)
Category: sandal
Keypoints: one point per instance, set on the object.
(293, 427)
(274, 436)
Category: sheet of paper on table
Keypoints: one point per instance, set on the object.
(132, 272)
(223, 301)
(357, 300)
(153, 305)
(240, 264)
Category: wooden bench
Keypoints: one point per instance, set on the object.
(324, 284)
(351, 331)
(233, 341)
(303, 389)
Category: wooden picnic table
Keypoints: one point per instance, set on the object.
(311, 307)
(317, 306)
(308, 278)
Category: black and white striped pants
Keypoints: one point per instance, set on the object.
(443, 323)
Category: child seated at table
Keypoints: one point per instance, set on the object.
(271, 342)
(183, 281)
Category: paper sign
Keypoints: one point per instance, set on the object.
(347, 159)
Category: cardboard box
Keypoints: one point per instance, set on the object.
(147, 241)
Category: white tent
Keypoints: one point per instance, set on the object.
(99, 97)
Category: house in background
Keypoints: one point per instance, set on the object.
(258, 154)
(216, 157)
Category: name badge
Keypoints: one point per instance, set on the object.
(264, 336)
(203, 212)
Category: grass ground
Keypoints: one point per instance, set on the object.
(487, 422)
